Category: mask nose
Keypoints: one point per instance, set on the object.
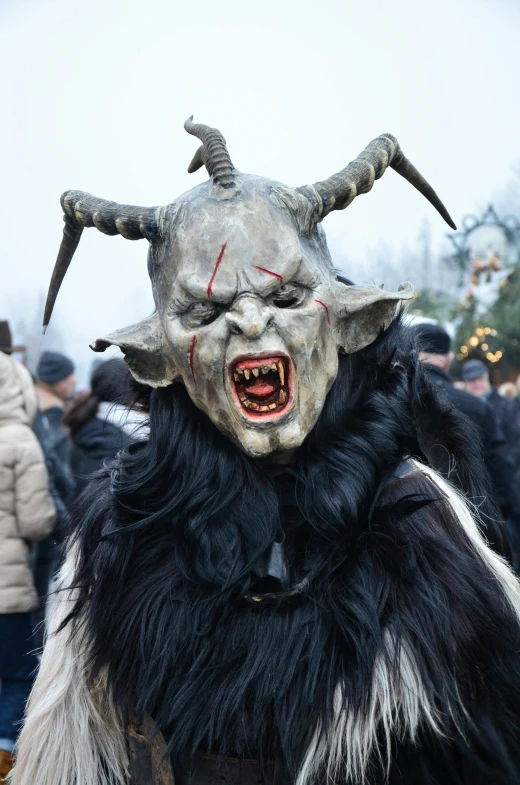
(249, 317)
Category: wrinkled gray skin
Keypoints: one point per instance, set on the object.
(250, 316)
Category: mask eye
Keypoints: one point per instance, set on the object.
(289, 295)
(200, 314)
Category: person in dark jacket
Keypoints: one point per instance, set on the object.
(475, 375)
(103, 420)
(435, 353)
(54, 388)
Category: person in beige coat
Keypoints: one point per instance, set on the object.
(26, 515)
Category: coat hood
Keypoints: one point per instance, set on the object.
(17, 394)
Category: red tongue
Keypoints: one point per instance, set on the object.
(260, 388)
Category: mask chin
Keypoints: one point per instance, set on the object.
(273, 440)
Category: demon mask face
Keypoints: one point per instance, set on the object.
(249, 316)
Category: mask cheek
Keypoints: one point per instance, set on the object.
(311, 340)
(312, 346)
(315, 386)
(200, 354)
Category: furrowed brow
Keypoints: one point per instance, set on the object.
(195, 289)
(270, 274)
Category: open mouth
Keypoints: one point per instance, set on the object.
(262, 384)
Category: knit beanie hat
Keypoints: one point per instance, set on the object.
(53, 367)
(432, 338)
(473, 369)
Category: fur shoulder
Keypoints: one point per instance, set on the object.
(455, 515)
(451, 608)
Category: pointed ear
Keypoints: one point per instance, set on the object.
(364, 311)
(144, 346)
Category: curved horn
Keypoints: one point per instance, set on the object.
(338, 191)
(213, 153)
(80, 210)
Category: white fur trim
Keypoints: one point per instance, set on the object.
(72, 734)
(397, 704)
(498, 566)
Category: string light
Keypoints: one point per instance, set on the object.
(474, 342)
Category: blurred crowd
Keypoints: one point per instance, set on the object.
(493, 413)
(51, 440)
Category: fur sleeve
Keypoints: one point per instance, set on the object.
(468, 520)
(71, 734)
(442, 701)
(454, 608)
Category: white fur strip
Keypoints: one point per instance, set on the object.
(71, 735)
(398, 704)
(498, 566)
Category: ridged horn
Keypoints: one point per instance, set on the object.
(213, 153)
(338, 191)
(82, 210)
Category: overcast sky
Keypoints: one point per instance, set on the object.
(95, 94)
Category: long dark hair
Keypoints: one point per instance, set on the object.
(168, 537)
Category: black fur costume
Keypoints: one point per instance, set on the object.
(169, 539)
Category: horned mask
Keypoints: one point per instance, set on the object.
(249, 314)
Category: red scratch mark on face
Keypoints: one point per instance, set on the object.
(217, 265)
(269, 272)
(190, 355)
(324, 307)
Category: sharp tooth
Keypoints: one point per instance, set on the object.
(282, 396)
(240, 371)
(273, 405)
(254, 406)
(246, 403)
(247, 373)
(236, 377)
(242, 396)
(281, 372)
(256, 371)
(273, 366)
(264, 408)
(265, 369)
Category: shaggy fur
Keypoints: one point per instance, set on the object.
(73, 734)
(398, 660)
